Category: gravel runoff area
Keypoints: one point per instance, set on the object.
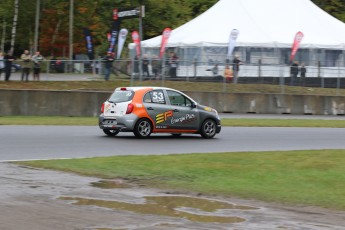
(44, 199)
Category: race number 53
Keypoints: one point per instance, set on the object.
(157, 96)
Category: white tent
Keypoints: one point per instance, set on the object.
(261, 23)
(266, 33)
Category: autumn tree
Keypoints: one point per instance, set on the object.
(97, 16)
(334, 7)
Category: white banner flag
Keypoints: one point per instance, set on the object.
(232, 41)
(122, 39)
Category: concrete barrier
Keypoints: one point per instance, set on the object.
(80, 103)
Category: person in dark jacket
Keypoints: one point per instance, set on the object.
(108, 64)
(146, 72)
(303, 71)
(8, 59)
(236, 68)
(173, 63)
(294, 70)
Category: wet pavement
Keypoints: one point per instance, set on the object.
(44, 199)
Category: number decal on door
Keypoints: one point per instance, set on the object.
(158, 97)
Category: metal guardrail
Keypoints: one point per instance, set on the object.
(316, 76)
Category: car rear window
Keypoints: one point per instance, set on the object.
(121, 96)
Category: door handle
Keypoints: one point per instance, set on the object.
(150, 108)
(176, 110)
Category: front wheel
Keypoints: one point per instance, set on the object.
(208, 129)
(142, 128)
(111, 132)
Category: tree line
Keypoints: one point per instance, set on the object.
(17, 21)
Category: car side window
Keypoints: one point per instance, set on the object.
(154, 96)
(178, 99)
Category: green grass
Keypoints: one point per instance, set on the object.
(244, 122)
(47, 120)
(293, 177)
(256, 122)
(100, 85)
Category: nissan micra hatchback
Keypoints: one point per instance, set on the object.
(146, 110)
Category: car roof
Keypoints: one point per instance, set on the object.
(136, 88)
(147, 88)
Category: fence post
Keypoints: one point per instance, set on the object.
(132, 70)
(260, 76)
(224, 84)
(163, 71)
(194, 65)
(48, 66)
(319, 74)
(282, 80)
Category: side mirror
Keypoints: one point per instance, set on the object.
(193, 105)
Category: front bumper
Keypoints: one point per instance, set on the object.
(219, 127)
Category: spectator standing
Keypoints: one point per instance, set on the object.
(215, 70)
(294, 69)
(146, 67)
(303, 71)
(156, 67)
(2, 63)
(215, 73)
(173, 62)
(108, 64)
(228, 74)
(236, 67)
(9, 58)
(26, 59)
(135, 67)
(37, 60)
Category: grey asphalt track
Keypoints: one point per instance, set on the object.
(51, 142)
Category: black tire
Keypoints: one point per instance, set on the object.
(208, 129)
(143, 128)
(111, 132)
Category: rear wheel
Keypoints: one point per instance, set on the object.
(111, 132)
(208, 129)
(142, 128)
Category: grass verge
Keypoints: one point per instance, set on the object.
(256, 122)
(47, 120)
(240, 122)
(294, 177)
(100, 85)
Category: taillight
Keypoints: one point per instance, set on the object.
(102, 108)
(130, 108)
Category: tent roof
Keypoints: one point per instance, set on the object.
(264, 23)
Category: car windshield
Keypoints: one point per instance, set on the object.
(121, 96)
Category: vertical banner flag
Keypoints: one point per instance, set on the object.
(122, 39)
(165, 38)
(114, 30)
(89, 43)
(298, 38)
(136, 40)
(232, 41)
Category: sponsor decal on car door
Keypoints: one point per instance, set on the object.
(156, 107)
(185, 117)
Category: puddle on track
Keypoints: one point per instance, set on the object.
(172, 206)
(110, 184)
